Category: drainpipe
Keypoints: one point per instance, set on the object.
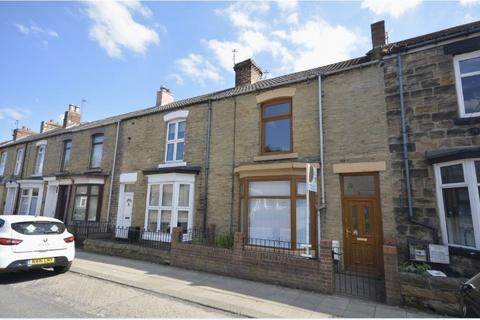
(233, 161)
(322, 171)
(113, 172)
(207, 163)
(406, 160)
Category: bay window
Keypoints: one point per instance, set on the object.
(458, 194)
(169, 203)
(467, 74)
(87, 203)
(274, 212)
(29, 201)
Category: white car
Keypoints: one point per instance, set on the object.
(29, 242)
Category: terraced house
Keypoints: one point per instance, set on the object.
(390, 138)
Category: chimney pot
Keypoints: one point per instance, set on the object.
(72, 116)
(378, 34)
(247, 72)
(164, 96)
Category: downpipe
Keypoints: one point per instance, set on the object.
(322, 171)
(207, 163)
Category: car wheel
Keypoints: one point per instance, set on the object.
(62, 269)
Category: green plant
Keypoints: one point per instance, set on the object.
(224, 241)
(414, 267)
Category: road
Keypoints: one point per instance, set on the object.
(41, 294)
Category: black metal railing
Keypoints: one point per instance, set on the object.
(279, 247)
(208, 237)
(134, 235)
(357, 280)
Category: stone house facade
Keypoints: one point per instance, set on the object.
(240, 158)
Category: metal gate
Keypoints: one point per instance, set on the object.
(363, 283)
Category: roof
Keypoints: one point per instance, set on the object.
(472, 27)
(260, 85)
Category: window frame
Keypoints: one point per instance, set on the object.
(92, 148)
(266, 119)
(3, 162)
(294, 180)
(63, 165)
(470, 181)
(18, 161)
(175, 141)
(458, 81)
(38, 168)
(89, 194)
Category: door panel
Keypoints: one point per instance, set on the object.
(362, 224)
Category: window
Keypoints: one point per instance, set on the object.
(467, 73)
(67, 148)
(39, 160)
(458, 188)
(3, 161)
(97, 151)
(18, 162)
(169, 204)
(276, 212)
(87, 202)
(277, 127)
(175, 147)
(29, 201)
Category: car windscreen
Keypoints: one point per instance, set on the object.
(38, 227)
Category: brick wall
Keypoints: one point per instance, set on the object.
(254, 265)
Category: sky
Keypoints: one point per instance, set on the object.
(112, 57)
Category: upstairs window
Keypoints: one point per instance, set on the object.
(467, 73)
(277, 127)
(39, 160)
(97, 151)
(458, 192)
(18, 162)
(3, 161)
(67, 147)
(175, 146)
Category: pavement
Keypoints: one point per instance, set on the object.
(235, 296)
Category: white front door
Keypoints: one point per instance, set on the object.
(51, 201)
(10, 200)
(125, 209)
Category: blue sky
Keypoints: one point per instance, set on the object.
(116, 55)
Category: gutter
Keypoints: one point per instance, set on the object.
(113, 172)
(207, 163)
(406, 161)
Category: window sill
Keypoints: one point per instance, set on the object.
(173, 164)
(466, 120)
(272, 157)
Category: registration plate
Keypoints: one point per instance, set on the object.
(38, 261)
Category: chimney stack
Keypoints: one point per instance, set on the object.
(378, 34)
(49, 125)
(72, 116)
(247, 72)
(22, 133)
(164, 96)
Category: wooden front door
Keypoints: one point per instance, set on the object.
(362, 224)
(61, 208)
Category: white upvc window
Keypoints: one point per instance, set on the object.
(18, 162)
(40, 158)
(3, 162)
(458, 198)
(467, 74)
(169, 203)
(175, 144)
(29, 201)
